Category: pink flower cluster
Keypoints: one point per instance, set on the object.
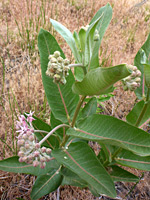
(29, 149)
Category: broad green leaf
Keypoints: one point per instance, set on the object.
(82, 37)
(46, 183)
(77, 40)
(47, 44)
(106, 13)
(13, 165)
(138, 61)
(70, 178)
(132, 117)
(119, 174)
(90, 43)
(67, 35)
(113, 131)
(129, 159)
(81, 159)
(55, 122)
(52, 141)
(147, 74)
(90, 108)
(100, 80)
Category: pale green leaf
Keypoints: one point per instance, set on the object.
(81, 159)
(46, 184)
(67, 35)
(138, 61)
(100, 80)
(106, 13)
(47, 44)
(70, 178)
(13, 165)
(110, 130)
(119, 174)
(129, 159)
(134, 114)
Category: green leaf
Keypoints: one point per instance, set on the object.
(13, 165)
(147, 74)
(90, 108)
(52, 141)
(70, 178)
(82, 37)
(46, 183)
(129, 159)
(110, 130)
(77, 40)
(140, 58)
(100, 80)
(106, 13)
(119, 174)
(55, 122)
(67, 35)
(81, 159)
(47, 44)
(90, 43)
(132, 117)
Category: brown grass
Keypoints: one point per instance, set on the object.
(21, 88)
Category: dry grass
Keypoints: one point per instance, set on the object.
(20, 77)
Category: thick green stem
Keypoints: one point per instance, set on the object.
(79, 65)
(77, 110)
(143, 110)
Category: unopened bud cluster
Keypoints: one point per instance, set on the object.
(30, 151)
(96, 35)
(132, 82)
(57, 68)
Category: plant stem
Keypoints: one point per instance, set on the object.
(143, 110)
(116, 152)
(77, 110)
(76, 65)
(79, 65)
(52, 131)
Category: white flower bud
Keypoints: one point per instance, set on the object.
(21, 142)
(36, 154)
(20, 159)
(43, 149)
(27, 145)
(137, 79)
(138, 73)
(60, 59)
(20, 153)
(48, 150)
(53, 60)
(29, 133)
(37, 145)
(42, 159)
(31, 138)
(35, 163)
(42, 165)
(56, 54)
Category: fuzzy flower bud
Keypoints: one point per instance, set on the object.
(57, 68)
(132, 82)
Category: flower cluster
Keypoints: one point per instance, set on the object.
(132, 82)
(57, 68)
(29, 149)
(96, 35)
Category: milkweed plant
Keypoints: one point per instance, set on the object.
(59, 153)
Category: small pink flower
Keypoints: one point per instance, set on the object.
(29, 117)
